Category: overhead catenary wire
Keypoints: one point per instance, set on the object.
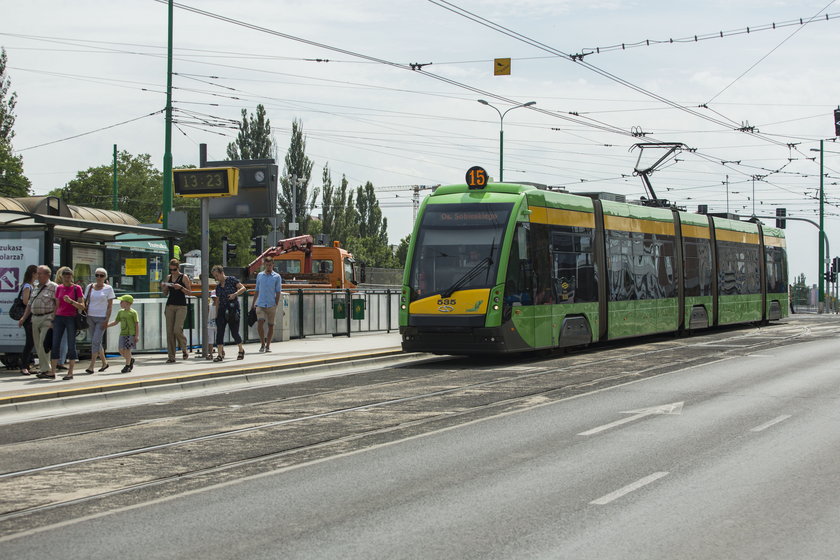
(704, 36)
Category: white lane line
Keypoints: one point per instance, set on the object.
(629, 488)
(772, 422)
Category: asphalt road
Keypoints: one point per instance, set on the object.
(625, 453)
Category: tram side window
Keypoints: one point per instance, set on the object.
(776, 270)
(698, 267)
(620, 265)
(542, 284)
(573, 265)
(738, 270)
(641, 265)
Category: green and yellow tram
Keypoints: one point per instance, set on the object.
(508, 268)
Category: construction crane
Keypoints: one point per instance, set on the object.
(415, 197)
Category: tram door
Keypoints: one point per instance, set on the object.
(519, 283)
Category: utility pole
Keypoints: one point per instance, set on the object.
(820, 277)
(293, 225)
(166, 207)
(115, 192)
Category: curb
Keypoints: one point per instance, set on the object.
(67, 398)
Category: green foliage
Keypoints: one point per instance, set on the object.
(140, 187)
(371, 222)
(254, 140)
(370, 242)
(296, 192)
(402, 250)
(800, 292)
(12, 180)
(372, 252)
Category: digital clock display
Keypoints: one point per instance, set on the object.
(206, 182)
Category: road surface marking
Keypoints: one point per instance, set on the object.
(629, 488)
(772, 422)
(673, 408)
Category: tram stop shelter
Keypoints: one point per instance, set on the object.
(45, 230)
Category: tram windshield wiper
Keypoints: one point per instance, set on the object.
(467, 277)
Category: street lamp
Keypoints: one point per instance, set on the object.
(822, 256)
(502, 133)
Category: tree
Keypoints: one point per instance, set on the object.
(402, 250)
(12, 180)
(294, 184)
(254, 140)
(327, 209)
(371, 222)
(371, 243)
(140, 187)
(345, 219)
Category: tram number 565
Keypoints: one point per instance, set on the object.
(476, 177)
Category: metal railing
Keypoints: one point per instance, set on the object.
(303, 313)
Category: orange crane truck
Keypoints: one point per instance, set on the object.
(304, 265)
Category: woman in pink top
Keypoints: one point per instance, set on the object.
(70, 300)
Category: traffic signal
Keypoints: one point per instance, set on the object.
(830, 277)
(230, 251)
(836, 122)
(780, 217)
(258, 245)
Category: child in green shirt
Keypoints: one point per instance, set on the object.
(129, 323)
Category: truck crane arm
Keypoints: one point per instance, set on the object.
(301, 243)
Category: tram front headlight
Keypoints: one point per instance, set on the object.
(495, 307)
(403, 307)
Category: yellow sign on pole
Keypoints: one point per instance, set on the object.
(501, 67)
(136, 267)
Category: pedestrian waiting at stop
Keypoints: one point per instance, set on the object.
(25, 293)
(70, 301)
(99, 300)
(267, 292)
(228, 290)
(41, 310)
(129, 323)
(176, 287)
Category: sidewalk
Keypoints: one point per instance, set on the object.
(152, 369)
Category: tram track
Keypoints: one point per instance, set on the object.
(418, 404)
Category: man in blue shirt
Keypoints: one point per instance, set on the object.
(266, 297)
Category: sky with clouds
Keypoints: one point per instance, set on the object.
(751, 107)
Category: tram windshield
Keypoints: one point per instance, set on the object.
(458, 247)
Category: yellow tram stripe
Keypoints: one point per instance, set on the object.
(774, 241)
(736, 236)
(637, 225)
(697, 232)
(553, 216)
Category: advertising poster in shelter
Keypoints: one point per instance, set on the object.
(15, 256)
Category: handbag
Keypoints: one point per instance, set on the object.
(81, 316)
(232, 314)
(252, 317)
(18, 307)
(81, 321)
